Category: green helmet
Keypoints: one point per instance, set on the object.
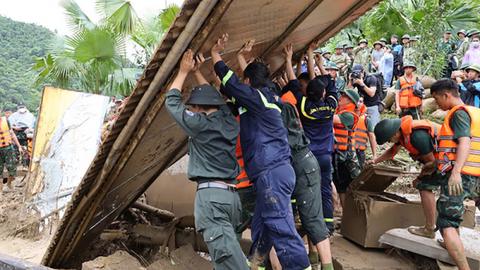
(386, 129)
(331, 65)
(339, 46)
(384, 40)
(205, 95)
(462, 31)
(473, 32)
(326, 52)
(413, 38)
(348, 46)
(319, 51)
(362, 41)
(448, 32)
(353, 95)
(474, 67)
(377, 43)
(406, 36)
(410, 64)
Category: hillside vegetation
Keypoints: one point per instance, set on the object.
(20, 43)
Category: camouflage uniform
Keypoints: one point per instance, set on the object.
(7, 159)
(450, 208)
(361, 56)
(410, 55)
(341, 61)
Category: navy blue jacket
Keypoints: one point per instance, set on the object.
(262, 134)
(317, 116)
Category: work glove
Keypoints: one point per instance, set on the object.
(455, 187)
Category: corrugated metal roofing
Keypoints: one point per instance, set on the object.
(144, 141)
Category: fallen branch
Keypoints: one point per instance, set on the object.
(163, 214)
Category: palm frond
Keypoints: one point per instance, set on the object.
(76, 18)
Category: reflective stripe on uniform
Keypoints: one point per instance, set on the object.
(302, 108)
(268, 104)
(227, 77)
(328, 219)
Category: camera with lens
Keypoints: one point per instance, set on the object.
(356, 75)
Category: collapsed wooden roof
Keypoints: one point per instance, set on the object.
(144, 141)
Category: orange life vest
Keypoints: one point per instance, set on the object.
(5, 136)
(361, 134)
(447, 146)
(289, 97)
(407, 98)
(409, 125)
(242, 179)
(344, 137)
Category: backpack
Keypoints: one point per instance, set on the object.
(380, 84)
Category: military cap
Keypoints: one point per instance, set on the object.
(386, 129)
(462, 31)
(363, 41)
(377, 43)
(348, 46)
(448, 32)
(473, 32)
(331, 65)
(409, 64)
(413, 38)
(474, 67)
(326, 52)
(205, 95)
(406, 36)
(339, 46)
(352, 95)
(383, 40)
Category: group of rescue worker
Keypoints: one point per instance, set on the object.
(16, 134)
(261, 149)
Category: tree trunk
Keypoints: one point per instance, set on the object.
(389, 99)
(426, 81)
(429, 105)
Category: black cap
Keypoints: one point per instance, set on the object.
(205, 95)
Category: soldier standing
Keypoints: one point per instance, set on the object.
(341, 60)
(361, 54)
(7, 152)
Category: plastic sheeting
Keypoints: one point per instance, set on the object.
(70, 149)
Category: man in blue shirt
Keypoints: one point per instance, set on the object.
(266, 153)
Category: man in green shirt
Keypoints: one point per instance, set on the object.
(418, 138)
(341, 60)
(212, 132)
(458, 171)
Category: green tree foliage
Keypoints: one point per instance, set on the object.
(19, 44)
(94, 58)
(426, 18)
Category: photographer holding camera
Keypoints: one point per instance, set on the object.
(409, 94)
(367, 85)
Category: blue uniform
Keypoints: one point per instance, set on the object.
(470, 93)
(266, 154)
(317, 120)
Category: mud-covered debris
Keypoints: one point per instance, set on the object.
(119, 260)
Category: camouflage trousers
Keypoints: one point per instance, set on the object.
(8, 159)
(346, 168)
(450, 208)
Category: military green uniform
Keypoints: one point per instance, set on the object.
(447, 47)
(8, 160)
(211, 147)
(410, 55)
(346, 165)
(462, 49)
(341, 60)
(423, 142)
(307, 192)
(450, 208)
(361, 56)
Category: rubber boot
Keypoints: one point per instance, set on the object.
(422, 231)
(9, 182)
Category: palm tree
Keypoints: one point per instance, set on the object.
(94, 57)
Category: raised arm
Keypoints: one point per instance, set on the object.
(199, 60)
(310, 60)
(319, 62)
(186, 65)
(288, 53)
(241, 58)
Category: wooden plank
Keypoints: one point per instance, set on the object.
(402, 239)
